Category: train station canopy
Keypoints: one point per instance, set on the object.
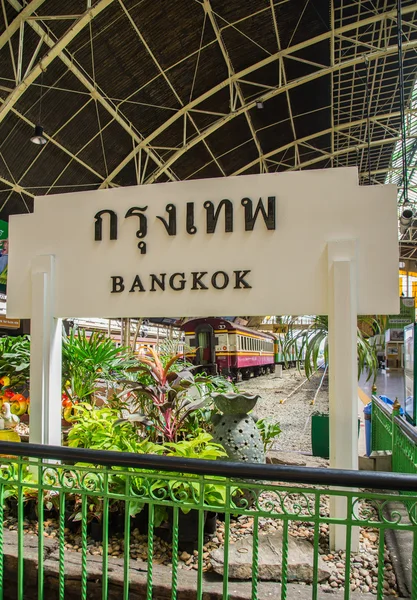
(137, 91)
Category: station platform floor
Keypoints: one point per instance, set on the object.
(388, 383)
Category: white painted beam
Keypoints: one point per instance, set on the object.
(45, 357)
(271, 94)
(70, 62)
(55, 51)
(259, 65)
(343, 375)
(18, 20)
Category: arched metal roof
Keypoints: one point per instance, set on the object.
(143, 91)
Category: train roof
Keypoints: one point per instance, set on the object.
(219, 324)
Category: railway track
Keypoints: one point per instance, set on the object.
(315, 386)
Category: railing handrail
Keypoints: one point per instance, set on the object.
(282, 473)
(385, 408)
(407, 429)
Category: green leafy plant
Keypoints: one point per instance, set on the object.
(308, 344)
(101, 429)
(163, 398)
(15, 360)
(200, 446)
(86, 362)
(269, 432)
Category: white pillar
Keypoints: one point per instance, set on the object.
(343, 374)
(45, 357)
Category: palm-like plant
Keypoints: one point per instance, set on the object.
(88, 361)
(309, 343)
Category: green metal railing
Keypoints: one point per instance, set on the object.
(404, 440)
(381, 425)
(122, 496)
(393, 433)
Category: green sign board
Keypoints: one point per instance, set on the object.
(4, 254)
(407, 314)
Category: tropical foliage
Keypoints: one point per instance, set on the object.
(87, 361)
(165, 395)
(15, 361)
(312, 343)
(269, 431)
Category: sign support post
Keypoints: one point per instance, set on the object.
(45, 357)
(343, 375)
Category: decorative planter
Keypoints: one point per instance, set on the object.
(236, 430)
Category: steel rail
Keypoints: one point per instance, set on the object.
(236, 471)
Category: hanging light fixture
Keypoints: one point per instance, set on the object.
(407, 214)
(259, 104)
(406, 217)
(38, 138)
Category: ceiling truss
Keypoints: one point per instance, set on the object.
(352, 45)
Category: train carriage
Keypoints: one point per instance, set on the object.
(287, 356)
(220, 346)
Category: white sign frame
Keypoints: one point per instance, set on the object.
(287, 265)
(332, 249)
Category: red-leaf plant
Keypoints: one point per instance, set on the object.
(169, 402)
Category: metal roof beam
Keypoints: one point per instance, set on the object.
(70, 62)
(308, 138)
(268, 95)
(209, 11)
(18, 20)
(274, 57)
(15, 187)
(55, 142)
(55, 51)
(343, 151)
(169, 83)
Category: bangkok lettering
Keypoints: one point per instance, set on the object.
(196, 280)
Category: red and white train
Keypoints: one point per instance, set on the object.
(222, 347)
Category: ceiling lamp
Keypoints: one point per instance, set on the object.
(406, 217)
(38, 137)
(259, 104)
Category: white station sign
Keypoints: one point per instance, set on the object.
(247, 245)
